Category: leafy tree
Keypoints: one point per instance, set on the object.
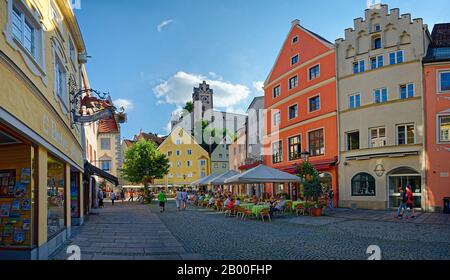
(189, 107)
(312, 188)
(144, 163)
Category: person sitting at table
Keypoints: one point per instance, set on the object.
(230, 205)
(255, 200)
(212, 202)
(238, 201)
(227, 201)
(278, 207)
(272, 201)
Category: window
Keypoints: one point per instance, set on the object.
(380, 95)
(293, 111)
(295, 147)
(295, 40)
(202, 162)
(354, 101)
(359, 67)
(405, 134)
(294, 59)
(169, 153)
(444, 81)
(189, 152)
(178, 153)
(224, 165)
(72, 52)
(23, 30)
(106, 165)
(314, 103)
(178, 142)
(276, 119)
(220, 156)
(377, 28)
(190, 175)
(61, 80)
(444, 128)
(353, 140)
(396, 57)
(377, 62)
(293, 82)
(179, 164)
(376, 43)
(189, 163)
(363, 184)
(276, 91)
(316, 143)
(216, 165)
(378, 137)
(105, 144)
(406, 91)
(277, 152)
(314, 72)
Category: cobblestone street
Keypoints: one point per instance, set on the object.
(215, 236)
(140, 232)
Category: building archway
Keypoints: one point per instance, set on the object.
(400, 178)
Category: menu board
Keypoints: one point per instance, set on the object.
(15, 208)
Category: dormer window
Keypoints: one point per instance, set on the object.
(295, 40)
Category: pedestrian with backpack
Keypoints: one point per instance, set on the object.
(403, 203)
(410, 203)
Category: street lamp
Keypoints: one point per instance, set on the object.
(305, 155)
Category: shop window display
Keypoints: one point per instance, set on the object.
(56, 197)
(15, 208)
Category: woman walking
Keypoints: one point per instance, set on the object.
(113, 197)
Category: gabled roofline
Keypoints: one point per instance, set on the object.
(296, 23)
(184, 131)
(254, 100)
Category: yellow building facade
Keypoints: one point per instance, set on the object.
(189, 162)
(41, 160)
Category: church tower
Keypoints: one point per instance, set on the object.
(204, 95)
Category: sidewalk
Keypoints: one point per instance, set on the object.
(125, 231)
(384, 215)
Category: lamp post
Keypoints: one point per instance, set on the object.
(305, 155)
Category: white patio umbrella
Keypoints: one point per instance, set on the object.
(207, 180)
(262, 174)
(201, 181)
(221, 179)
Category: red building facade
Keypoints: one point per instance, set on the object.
(301, 108)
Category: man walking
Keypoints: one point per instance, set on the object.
(162, 201)
(113, 197)
(331, 200)
(131, 196)
(403, 203)
(179, 199)
(122, 195)
(410, 203)
(100, 198)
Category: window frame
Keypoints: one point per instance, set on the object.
(372, 179)
(277, 157)
(438, 128)
(309, 103)
(274, 123)
(377, 58)
(310, 78)
(298, 59)
(405, 125)
(381, 95)
(274, 90)
(407, 90)
(309, 141)
(102, 142)
(295, 38)
(347, 143)
(299, 146)
(374, 40)
(439, 85)
(289, 82)
(378, 136)
(349, 101)
(289, 111)
(396, 56)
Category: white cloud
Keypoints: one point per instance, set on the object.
(178, 90)
(258, 85)
(163, 24)
(125, 103)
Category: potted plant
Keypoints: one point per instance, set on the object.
(312, 189)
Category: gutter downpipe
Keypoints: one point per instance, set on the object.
(338, 123)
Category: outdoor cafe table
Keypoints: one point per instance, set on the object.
(247, 206)
(256, 210)
(295, 203)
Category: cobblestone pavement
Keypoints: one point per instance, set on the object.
(124, 232)
(214, 236)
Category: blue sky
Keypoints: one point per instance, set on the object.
(150, 54)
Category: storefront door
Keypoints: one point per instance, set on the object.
(401, 179)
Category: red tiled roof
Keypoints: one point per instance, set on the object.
(128, 143)
(150, 137)
(108, 126)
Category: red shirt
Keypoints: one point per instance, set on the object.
(410, 196)
(230, 205)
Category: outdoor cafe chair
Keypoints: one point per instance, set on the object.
(265, 213)
(300, 209)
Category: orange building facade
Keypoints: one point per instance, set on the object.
(301, 108)
(437, 117)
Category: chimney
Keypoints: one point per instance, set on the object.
(295, 22)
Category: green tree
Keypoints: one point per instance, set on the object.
(189, 107)
(144, 163)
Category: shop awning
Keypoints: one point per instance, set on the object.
(322, 165)
(249, 166)
(93, 170)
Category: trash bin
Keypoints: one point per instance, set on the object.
(446, 205)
